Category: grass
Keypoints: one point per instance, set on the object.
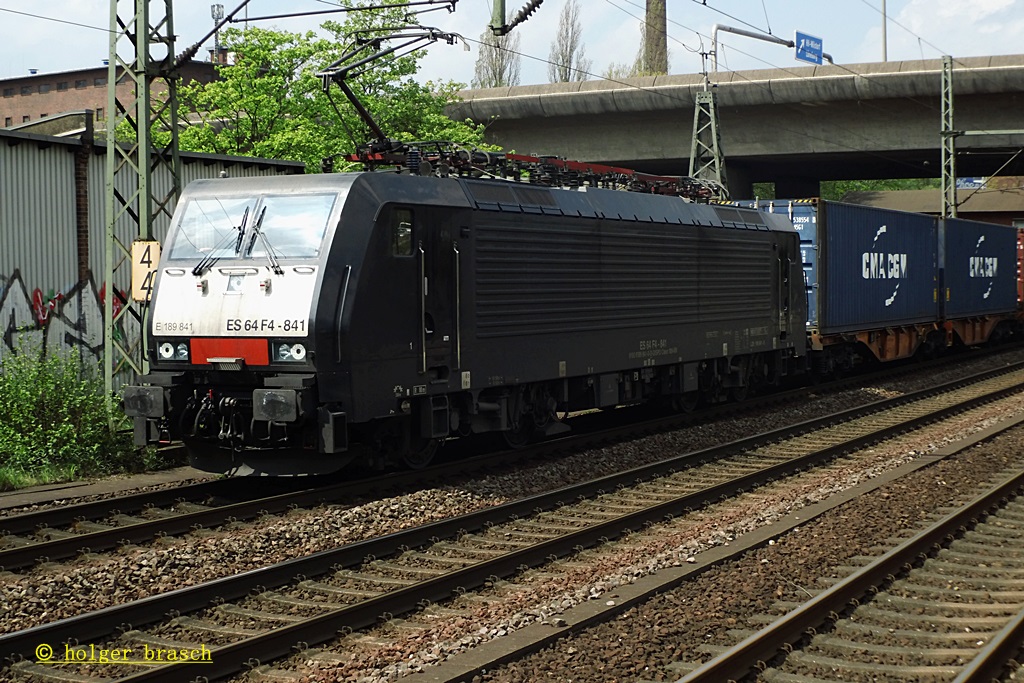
(54, 426)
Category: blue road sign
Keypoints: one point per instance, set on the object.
(808, 48)
(970, 183)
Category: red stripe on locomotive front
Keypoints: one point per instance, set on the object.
(252, 351)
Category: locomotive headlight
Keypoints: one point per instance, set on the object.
(172, 351)
(288, 352)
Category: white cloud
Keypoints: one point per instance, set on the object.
(936, 27)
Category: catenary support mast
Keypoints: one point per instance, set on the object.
(948, 141)
(141, 63)
(706, 160)
(949, 135)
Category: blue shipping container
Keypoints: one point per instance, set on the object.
(980, 268)
(878, 268)
(866, 268)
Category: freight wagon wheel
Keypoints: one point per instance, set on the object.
(420, 454)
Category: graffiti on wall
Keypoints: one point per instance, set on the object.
(69, 319)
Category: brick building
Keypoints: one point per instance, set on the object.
(26, 99)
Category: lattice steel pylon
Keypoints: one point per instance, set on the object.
(706, 161)
(949, 136)
(141, 55)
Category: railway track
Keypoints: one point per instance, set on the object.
(64, 532)
(308, 600)
(956, 616)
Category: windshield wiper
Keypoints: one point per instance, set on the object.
(208, 260)
(257, 232)
(241, 230)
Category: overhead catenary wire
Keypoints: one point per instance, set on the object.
(703, 3)
(879, 82)
(1005, 164)
(921, 39)
(785, 69)
(650, 25)
(54, 19)
(688, 102)
(882, 83)
(841, 66)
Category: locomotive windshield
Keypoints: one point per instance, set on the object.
(209, 227)
(293, 226)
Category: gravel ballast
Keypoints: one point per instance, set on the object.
(48, 593)
(540, 596)
(643, 641)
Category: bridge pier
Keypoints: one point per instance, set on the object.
(794, 187)
(738, 180)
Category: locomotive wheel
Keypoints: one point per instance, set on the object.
(686, 403)
(739, 394)
(421, 453)
(518, 436)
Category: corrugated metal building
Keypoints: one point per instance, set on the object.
(38, 203)
(53, 231)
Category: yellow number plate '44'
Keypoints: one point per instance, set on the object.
(145, 259)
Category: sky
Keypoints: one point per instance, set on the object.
(851, 31)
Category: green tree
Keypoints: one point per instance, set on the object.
(837, 189)
(498, 60)
(567, 60)
(269, 102)
(651, 57)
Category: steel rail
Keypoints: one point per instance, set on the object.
(97, 509)
(22, 556)
(740, 660)
(232, 658)
(68, 515)
(992, 659)
(44, 551)
(282, 640)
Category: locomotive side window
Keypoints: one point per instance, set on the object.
(401, 232)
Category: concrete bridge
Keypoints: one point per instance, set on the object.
(794, 127)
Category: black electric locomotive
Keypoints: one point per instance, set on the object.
(301, 322)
